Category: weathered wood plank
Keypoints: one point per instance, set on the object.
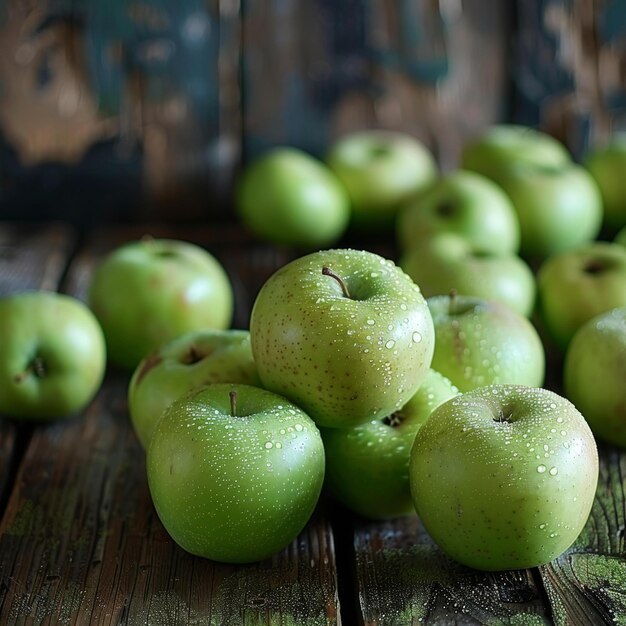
(81, 541)
(30, 258)
(587, 584)
(315, 69)
(569, 69)
(404, 579)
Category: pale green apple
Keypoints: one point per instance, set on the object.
(148, 292)
(504, 477)
(576, 286)
(367, 467)
(480, 343)
(189, 361)
(620, 238)
(594, 374)
(289, 197)
(52, 356)
(381, 170)
(464, 203)
(344, 334)
(448, 262)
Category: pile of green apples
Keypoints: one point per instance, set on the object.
(398, 389)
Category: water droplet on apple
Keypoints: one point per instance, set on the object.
(298, 427)
(390, 344)
(268, 445)
(541, 469)
(542, 526)
(370, 322)
(417, 337)
(279, 445)
(554, 471)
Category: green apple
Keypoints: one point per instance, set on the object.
(502, 145)
(464, 203)
(148, 292)
(504, 477)
(235, 472)
(53, 355)
(192, 360)
(344, 334)
(595, 374)
(367, 466)
(381, 170)
(620, 238)
(576, 286)
(559, 207)
(608, 166)
(480, 343)
(288, 197)
(448, 262)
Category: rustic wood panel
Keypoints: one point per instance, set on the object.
(315, 69)
(30, 258)
(142, 96)
(587, 584)
(404, 579)
(570, 69)
(80, 541)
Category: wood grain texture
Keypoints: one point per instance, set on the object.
(570, 69)
(316, 69)
(81, 543)
(30, 258)
(587, 584)
(404, 579)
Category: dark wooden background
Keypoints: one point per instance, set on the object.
(135, 109)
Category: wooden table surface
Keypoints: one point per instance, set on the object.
(80, 542)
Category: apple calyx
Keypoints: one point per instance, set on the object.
(445, 209)
(36, 367)
(595, 266)
(192, 356)
(501, 417)
(233, 403)
(328, 272)
(395, 419)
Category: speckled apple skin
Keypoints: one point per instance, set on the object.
(235, 489)
(480, 343)
(367, 467)
(499, 495)
(194, 359)
(343, 360)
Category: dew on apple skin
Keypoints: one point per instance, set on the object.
(370, 322)
(268, 445)
(554, 471)
(541, 469)
(390, 344)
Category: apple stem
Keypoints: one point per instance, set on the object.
(233, 403)
(328, 272)
(36, 367)
(453, 302)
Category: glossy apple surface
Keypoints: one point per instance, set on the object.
(447, 261)
(466, 204)
(504, 477)
(594, 374)
(607, 165)
(198, 358)
(367, 467)
(234, 488)
(500, 146)
(381, 170)
(288, 197)
(480, 343)
(344, 356)
(148, 292)
(52, 358)
(578, 285)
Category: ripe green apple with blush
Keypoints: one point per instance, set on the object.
(288, 197)
(148, 292)
(501, 145)
(559, 206)
(504, 477)
(53, 355)
(192, 360)
(344, 334)
(576, 286)
(478, 343)
(607, 165)
(235, 472)
(381, 170)
(594, 374)
(464, 203)
(367, 466)
(447, 261)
